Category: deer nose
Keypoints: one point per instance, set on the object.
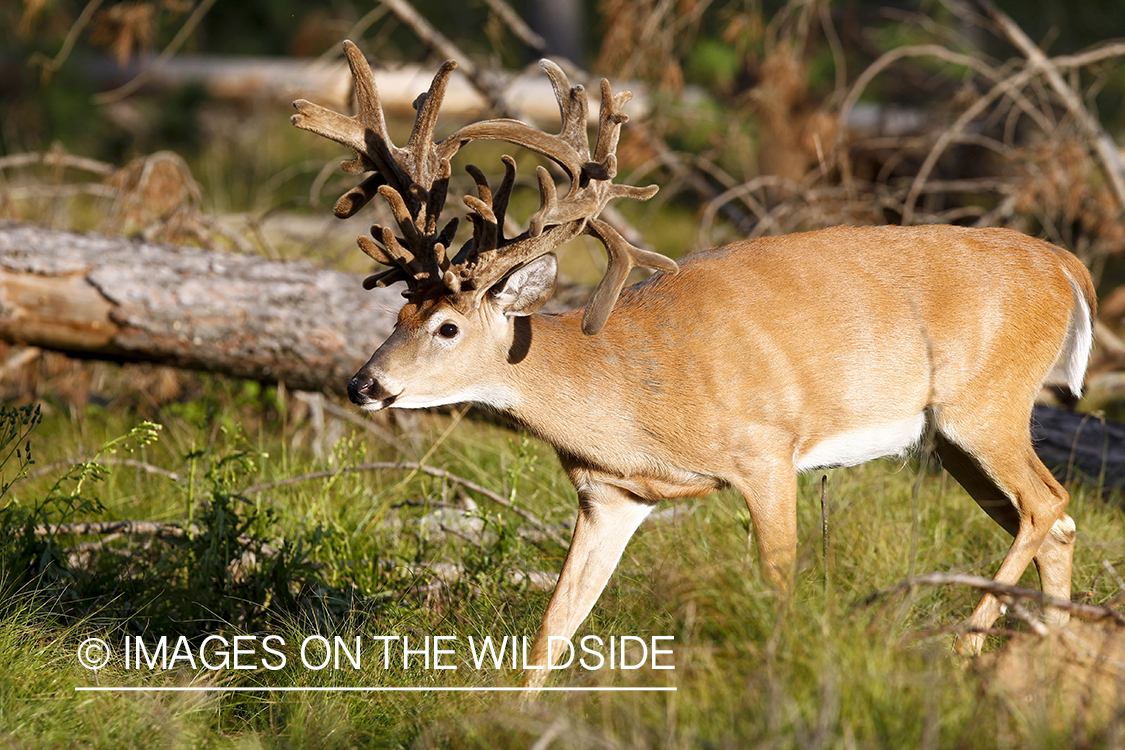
(361, 389)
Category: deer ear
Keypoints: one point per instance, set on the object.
(527, 288)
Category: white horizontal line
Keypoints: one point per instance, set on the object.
(342, 689)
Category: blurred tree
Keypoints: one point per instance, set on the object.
(561, 24)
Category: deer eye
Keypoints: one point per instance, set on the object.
(448, 330)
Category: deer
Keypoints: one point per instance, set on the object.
(739, 367)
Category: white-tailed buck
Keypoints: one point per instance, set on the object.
(741, 367)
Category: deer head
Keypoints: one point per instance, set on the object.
(414, 181)
(468, 300)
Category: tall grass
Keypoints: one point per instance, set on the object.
(822, 669)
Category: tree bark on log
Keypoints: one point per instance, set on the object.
(111, 298)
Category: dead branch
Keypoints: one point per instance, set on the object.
(468, 484)
(1004, 592)
(56, 158)
(140, 528)
(481, 79)
(1104, 145)
(50, 66)
(161, 529)
(447, 573)
(516, 24)
(451, 573)
(173, 47)
(54, 466)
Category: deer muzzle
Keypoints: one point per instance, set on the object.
(367, 392)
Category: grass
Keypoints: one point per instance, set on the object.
(822, 670)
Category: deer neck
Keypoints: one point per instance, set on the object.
(570, 389)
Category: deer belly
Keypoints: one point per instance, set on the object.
(860, 444)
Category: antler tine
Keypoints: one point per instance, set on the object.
(569, 148)
(558, 220)
(579, 204)
(421, 142)
(390, 254)
(486, 228)
(504, 193)
(574, 109)
(610, 121)
(402, 215)
(365, 133)
(623, 258)
(413, 180)
(435, 198)
(487, 217)
(350, 202)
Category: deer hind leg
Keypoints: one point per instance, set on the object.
(1013, 486)
(607, 518)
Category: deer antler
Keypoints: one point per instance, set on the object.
(414, 181)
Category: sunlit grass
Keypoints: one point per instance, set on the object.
(826, 668)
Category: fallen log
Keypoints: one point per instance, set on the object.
(110, 298)
(1080, 447)
(241, 79)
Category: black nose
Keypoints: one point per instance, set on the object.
(360, 389)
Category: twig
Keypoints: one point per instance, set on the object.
(1003, 591)
(741, 191)
(130, 462)
(481, 79)
(824, 526)
(527, 515)
(885, 61)
(1009, 86)
(557, 727)
(449, 573)
(90, 528)
(446, 573)
(138, 528)
(119, 93)
(50, 66)
(357, 30)
(18, 359)
(366, 424)
(1020, 612)
(57, 158)
(517, 26)
(1104, 145)
(1120, 595)
(61, 191)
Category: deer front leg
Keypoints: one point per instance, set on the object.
(770, 490)
(607, 518)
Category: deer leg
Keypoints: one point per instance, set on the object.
(771, 498)
(607, 518)
(1018, 492)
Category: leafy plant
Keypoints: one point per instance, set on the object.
(226, 566)
(29, 545)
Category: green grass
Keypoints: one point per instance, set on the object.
(822, 670)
